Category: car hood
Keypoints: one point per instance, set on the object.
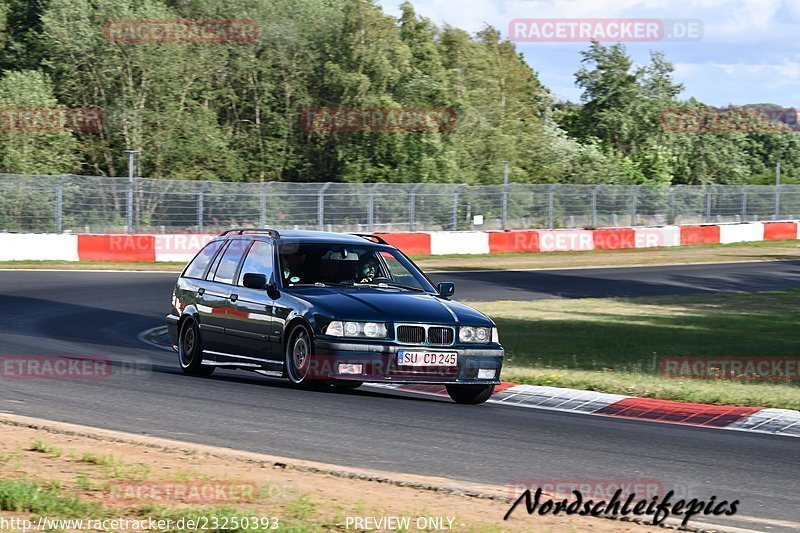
(379, 305)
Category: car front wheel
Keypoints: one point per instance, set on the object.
(470, 394)
(190, 350)
(298, 355)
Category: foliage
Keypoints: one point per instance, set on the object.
(232, 111)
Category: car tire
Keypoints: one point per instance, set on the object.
(190, 350)
(470, 394)
(346, 384)
(299, 351)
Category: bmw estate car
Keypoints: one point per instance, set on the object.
(320, 307)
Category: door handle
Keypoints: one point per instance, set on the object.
(234, 297)
(201, 291)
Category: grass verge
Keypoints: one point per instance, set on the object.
(72, 492)
(708, 253)
(614, 344)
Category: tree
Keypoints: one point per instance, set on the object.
(33, 146)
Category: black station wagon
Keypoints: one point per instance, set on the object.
(318, 307)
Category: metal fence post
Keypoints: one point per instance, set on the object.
(263, 203)
(321, 206)
(129, 217)
(129, 207)
(777, 202)
(550, 205)
(671, 214)
(708, 203)
(456, 192)
(744, 202)
(371, 207)
(201, 191)
(595, 190)
(59, 203)
(505, 194)
(634, 201)
(412, 206)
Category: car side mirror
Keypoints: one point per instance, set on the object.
(255, 281)
(446, 289)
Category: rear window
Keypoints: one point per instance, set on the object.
(198, 266)
(226, 270)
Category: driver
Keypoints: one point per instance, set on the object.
(367, 271)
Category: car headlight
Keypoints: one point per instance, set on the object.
(473, 334)
(372, 330)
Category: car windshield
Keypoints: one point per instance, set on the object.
(348, 265)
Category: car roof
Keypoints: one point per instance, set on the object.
(314, 236)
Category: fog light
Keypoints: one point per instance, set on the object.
(349, 368)
(486, 373)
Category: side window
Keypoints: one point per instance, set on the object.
(258, 261)
(398, 272)
(197, 267)
(226, 269)
(213, 268)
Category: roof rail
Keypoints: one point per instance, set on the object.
(370, 237)
(241, 231)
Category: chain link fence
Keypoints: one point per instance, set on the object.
(72, 203)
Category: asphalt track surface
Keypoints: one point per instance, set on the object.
(103, 313)
(631, 281)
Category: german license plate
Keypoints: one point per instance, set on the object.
(410, 358)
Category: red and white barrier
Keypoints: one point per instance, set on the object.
(182, 247)
(459, 242)
(658, 237)
(729, 233)
(38, 247)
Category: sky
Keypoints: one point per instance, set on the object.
(749, 51)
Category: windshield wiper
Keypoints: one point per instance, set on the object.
(384, 284)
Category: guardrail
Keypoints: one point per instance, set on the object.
(182, 247)
(92, 204)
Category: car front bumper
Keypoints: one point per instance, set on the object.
(172, 330)
(379, 363)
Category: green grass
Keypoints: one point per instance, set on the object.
(117, 468)
(45, 448)
(21, 496)
(96, 459)
(83, 482)
(705, 253)
(614, 344)
(303, 510)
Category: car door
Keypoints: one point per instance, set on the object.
(250, 313)
(214, 303)
(210, 302)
